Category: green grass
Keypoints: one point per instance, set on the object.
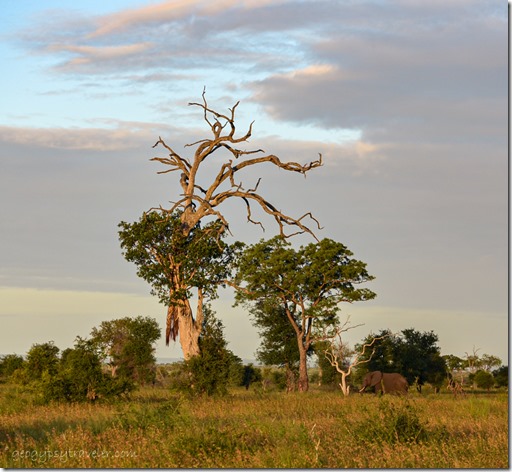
(158, 429)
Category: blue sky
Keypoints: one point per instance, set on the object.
(406, 100)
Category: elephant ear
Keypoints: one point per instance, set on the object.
(376, 378)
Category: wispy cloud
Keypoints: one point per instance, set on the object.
(87, 54)
(118, 137)
(170, 11)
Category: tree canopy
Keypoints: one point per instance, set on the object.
(174, 263)
(127, 345)
(308, 283)
(411, 353)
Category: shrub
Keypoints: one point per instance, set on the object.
(42, 358)
(395, 421)
(501, 376)
(10, 363)
(80, 377)
(215, 368)
(484, 379)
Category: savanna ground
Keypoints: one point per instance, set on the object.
(156, 428)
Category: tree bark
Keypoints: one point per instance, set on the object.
(290, 379)
(189, 332)
(303, 384)
(181, 322)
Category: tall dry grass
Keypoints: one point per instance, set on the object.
(158, 429)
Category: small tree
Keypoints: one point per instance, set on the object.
(250, 375)
(489, 362)
(501, 376)
(209, 373)
(10, 363)
(127, 345)
(307, 283)
(341, 357)
(41, 359)
(455, 366)
(80, 377)
(483, 379)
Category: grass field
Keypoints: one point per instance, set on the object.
(251, 429)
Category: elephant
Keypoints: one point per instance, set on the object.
(385, 383)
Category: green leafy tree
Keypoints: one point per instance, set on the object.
(329, 375)
(177, 264)
(209, 373)
(411, 353)
(501, 376)
(41, 359)
(383, 355)
(278, 339)
(307, 283)
(10, 363)
(250, 375)
(201, 198)
(483, 379)
(489, 362)
(420, 358)
(80, 377)
(128, 345)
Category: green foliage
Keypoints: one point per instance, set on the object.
(321, 274)
(250, 375)
(501, 376)
(41, 359)
(483, 379)
(488, 362)
(215, 368)
(278, 337)
(454, 363)
(127, 344)
(396, 422)
(413, 354)
(329, 374)
(163, 254)
(301, 287)
(78, 377)
(10, 363)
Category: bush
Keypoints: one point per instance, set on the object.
(42, 358)
(10, 363)
(483, 379)
(501, 376)
(79, 377)
(395, 421)
(215, 368)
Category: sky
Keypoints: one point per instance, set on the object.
(405, 99)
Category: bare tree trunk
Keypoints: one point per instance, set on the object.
(343, 385)
(189, 332)
(180, 320)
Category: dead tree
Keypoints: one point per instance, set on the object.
(341, 357)
(198, 201)
(455, 387)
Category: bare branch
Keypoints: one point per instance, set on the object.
(336, 352)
